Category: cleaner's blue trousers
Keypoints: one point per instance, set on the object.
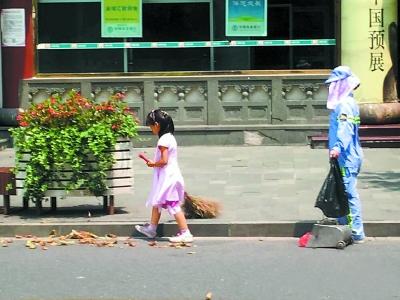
(354, 218)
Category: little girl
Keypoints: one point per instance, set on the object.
(168, 187)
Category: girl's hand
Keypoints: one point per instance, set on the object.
(160, 163)
(151, 164)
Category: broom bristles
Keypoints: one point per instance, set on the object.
(196, 207)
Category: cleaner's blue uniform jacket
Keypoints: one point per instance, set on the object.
(343, 137)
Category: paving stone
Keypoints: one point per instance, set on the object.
(253, 184)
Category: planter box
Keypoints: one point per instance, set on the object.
(120, 178)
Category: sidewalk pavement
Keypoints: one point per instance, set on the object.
(264, 191)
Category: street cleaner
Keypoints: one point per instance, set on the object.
(344, 143)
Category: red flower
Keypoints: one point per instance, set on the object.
(24, 124)
(119, 95)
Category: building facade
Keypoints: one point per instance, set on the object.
(261, 87)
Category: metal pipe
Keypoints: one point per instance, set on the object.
(8, 116)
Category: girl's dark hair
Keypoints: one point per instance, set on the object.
(161, 117)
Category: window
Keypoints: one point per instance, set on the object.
(73, 21)
(291, 19)
(176, 23)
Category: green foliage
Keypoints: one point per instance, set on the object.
(74, 135)
(9, 187)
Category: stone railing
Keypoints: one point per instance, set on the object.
(207, 102)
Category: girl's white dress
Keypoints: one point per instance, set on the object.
(168, 185)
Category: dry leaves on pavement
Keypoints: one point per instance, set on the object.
(86, 238)
(73, 238)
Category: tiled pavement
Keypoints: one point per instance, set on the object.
(254, 184)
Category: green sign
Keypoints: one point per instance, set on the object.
(121, 18)
(246, 18)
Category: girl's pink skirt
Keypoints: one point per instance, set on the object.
(173, 207)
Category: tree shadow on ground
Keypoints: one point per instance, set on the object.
(387, 180)
(73, 212)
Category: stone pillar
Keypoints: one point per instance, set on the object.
(368, 47)
(18, 62)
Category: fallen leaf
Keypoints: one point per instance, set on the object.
(45, 248)
(152, 243)
(89, 241)
(128, 240)
(209, 296)
(191, 252)
(30, 244)
(179, 245)
(18, 236)
(110, 235)
(132, 244)
(66, 243)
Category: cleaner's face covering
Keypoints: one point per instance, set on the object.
(342, 83)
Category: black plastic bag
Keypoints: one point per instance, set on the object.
(332, 198)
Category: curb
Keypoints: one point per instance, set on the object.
(223, 229)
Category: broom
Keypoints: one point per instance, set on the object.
(196, 207)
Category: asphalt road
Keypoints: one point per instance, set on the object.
(228, 268)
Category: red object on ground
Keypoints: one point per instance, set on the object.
(303, 241)
(141, 155)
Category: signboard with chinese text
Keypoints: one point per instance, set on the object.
(368, 47)
(13, 27)
(121, 18)
(246, 18)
